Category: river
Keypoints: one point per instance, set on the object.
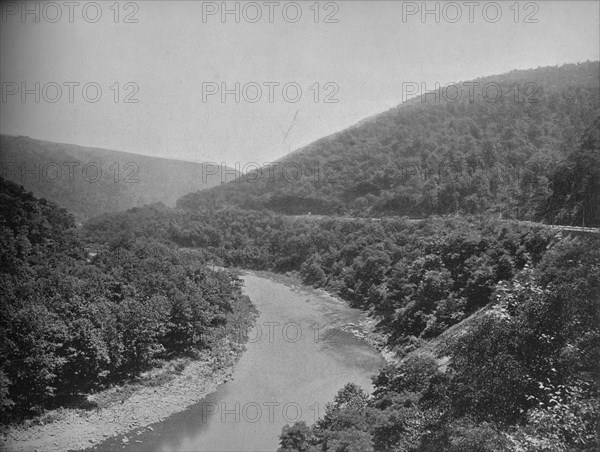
(297, 358)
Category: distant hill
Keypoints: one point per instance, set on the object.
(497, 151)
(91, 181)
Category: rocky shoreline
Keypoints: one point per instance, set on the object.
(132, 407)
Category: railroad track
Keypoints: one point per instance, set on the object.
(578, 229)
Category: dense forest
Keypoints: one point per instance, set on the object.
(72, 323)
(521, 374)
(495, 323)
(419, 276)
(503, 150)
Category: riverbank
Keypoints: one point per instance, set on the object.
(295, 363)
(130, 408)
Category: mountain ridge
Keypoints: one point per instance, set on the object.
(96, 148)
(91, 181)
(430, 156)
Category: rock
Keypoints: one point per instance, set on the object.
(151, 429)
(125, 440)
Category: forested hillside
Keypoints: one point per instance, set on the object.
(496, 323)
(90, 181)
(418, 278)
(520, 375)
(575, 184)
(72, 323)
(507, 148)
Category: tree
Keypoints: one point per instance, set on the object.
(312, 272)
(296, 438)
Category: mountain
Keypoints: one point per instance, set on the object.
(91, 181)
(493, 322)
(492, 147)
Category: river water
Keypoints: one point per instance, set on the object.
(298, 357)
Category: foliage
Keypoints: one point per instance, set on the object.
(72, 323)
(576, 184)
(522, 375)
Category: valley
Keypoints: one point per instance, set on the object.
(216, 310)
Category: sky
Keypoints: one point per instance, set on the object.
(181, 80)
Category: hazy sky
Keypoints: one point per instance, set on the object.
(163, 60)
